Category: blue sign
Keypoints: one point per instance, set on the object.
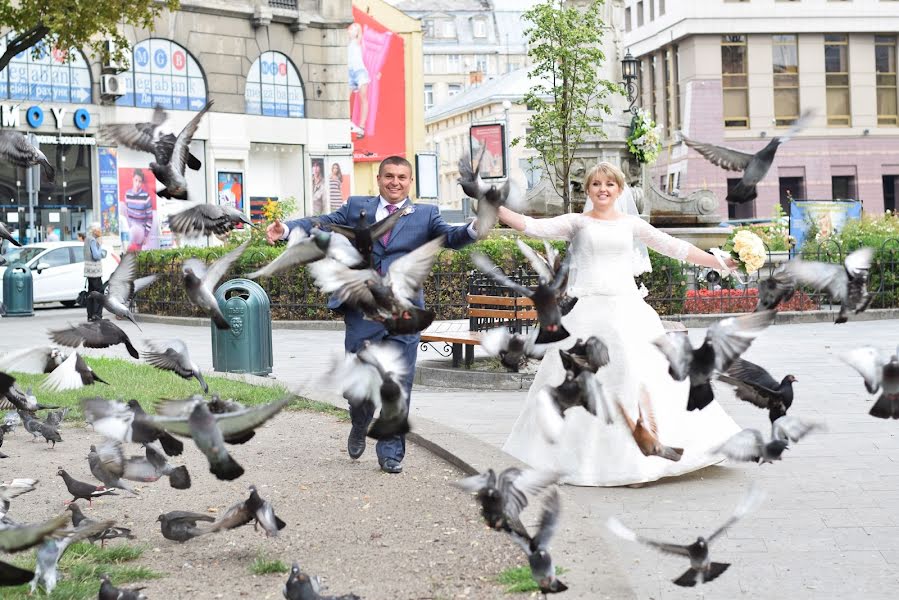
(161, 58)
(109, 189)
(172, 80)
(141, 56)
(825, 217)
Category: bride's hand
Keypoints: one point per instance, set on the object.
(731, 264)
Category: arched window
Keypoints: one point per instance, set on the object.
(163, 72)
(274, 87)
(51, 75)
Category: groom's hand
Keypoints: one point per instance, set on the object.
(275, 231)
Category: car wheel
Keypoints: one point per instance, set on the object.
(68, 303)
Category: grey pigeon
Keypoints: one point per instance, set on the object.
(34, 361)
(55, 418)
(881, 374)
(502, 497)
(490, 196)
(145, 137)
(301, 586)
(115, 466)
(254, 508)
(22, 537)
(583, 389)
(749, 446)
(303, 249)
(364, 234)
(537, 547)
(793, 429)
(141, 283)
(181, 526)
(173, 356)
(846, 284)
(104, 475)
(74, 373)
(376, 374)
(5, 234)
(126, 423)
(49, 553)
(755, 385)
(754, 166)
(512, 349)
(37, 428)
(200, 283)
(591, 355)
(207, 219)
(169, 168)
(16, 149)
(701, 566)
(111, 592)
(13, 397)
(102, 333)
(120, 288)
(724, 341)
(110, 533)
(81, 490)
(775, 289)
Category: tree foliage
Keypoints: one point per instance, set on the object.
(568, 100)
(75, 23)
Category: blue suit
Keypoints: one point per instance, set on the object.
(423, 224)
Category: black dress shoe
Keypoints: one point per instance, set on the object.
(355, 443)
(389, 465)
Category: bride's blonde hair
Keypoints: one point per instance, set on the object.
(606, 169)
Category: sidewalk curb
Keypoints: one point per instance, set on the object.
(204, 322)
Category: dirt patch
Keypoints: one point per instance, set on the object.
(390, 537)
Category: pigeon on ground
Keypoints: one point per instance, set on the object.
(105, 476)
(701, 566)
(209, 431)
(749, 446)
(846, 284)
(489, 196)
(126, 423)
(793, 429)
(5, 234)
(49, 553)
(303, 249)
(72, 374)
(169, 165)
(34, 361)
(545, 295)
(82, 490)
(173, 356)
(301, 586)
(389, 298)
(512, 349)
(754, 166)
(120, 288)
(13, 575)
(3, 432)
(22, 537)
(36, 428)
(200, 283)
(376, 374)
(111, 592)
(16, 149)
(537, 547)
(143, 137)
(878, 371)
(724, 342)
(102, 333)
(13, 397)
(364, 233)
(110, 533)
(207, 219)
(775, 289)
(254, 508)
(503, 497)
(755, 385)
(55, 418)
(180, 526)
(645, 431)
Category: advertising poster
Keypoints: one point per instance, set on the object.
(230, 190)
(319, 186)
(138, 217)
(340, 173)
(377, 89)
(823, 216)
(109, 190)
(488, 140)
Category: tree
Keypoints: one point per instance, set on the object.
(75, 23)
(564, 46)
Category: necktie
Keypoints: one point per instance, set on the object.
(391, 208)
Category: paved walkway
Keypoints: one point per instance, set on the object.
(829, 528)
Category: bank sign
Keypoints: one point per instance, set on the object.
(11, 116)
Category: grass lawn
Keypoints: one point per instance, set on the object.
(128, 380)
(519, 580)
(80, 570)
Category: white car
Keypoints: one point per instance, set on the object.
(57, 269)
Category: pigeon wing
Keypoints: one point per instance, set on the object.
(407, 274)
(219, 267)
(130, 136)
(859, 261)
(677, 349)
(235, 423)
(549, 520)
(487, 267)
(538, 263)
(386, 224)
(869, 363)
(753, 374)
(474, 483)
(749, 503)
(200, 219)
(121, 282)
(743, 446)
(822, 277)
(732, 336)
(618, 528)
(298, 254)
(22, 537)
(726, 158)
(496, 340)
(30, 360)
(793, 429)
(745, 391)
(65, 376)
(349, 285)
(182, 144)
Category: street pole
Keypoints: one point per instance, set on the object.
(31, 188)
(506, 106)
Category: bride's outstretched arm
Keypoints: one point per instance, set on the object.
(675, 248)
(562, 227)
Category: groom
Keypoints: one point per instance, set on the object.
(421, 224)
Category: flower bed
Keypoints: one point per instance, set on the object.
(703, 302)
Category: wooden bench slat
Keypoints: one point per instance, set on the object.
(498, 300)
(494, 313)
(468, 338)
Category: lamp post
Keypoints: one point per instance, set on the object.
(436, 139)
(630, 69)
(506, 168)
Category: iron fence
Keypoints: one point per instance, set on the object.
(290, 4)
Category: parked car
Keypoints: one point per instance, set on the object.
(57, 269)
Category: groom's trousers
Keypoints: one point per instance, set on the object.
(359, 330)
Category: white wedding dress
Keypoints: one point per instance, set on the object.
(610, 306)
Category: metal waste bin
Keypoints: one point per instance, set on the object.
(247, 346)
(18, 291)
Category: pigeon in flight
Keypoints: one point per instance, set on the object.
(489, 196)
(512, 349)
(81, 490)
(34, 361)
(793, 429)
(15, 148)
(12, 575)
(111, 592)
(181, 526)
(724, 342)
(846, 284)
(169, 165)
(303, 249)
(591, 355)
(102, 333)
(255, 508)
(22, 537)
(750, 446)
(881, 374)
(51, 551)
(120, 288)
(376, 374)
(775, 289)
(537, 547)
(755, 385)
(503, 497)
(645, 431)
(200, 283)
(754, 166)
(301, 586)
(126, 423)
(364, 234)
(207, 219)
(13, 488)
(5, 234)
(72, 374)
(110, 465)
(173, 356)
(701, 566)
(143, 137)
(13, 397)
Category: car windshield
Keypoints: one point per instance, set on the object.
(24, 255)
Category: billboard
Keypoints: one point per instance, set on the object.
(377, 89)
(230, 191)
(138, 215)
(109, 189)
(489, 141)
(827, 217)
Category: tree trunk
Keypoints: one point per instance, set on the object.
(22, 42)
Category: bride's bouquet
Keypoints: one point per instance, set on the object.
(746, 248)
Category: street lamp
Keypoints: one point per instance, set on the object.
(630, 69)
(506, 106)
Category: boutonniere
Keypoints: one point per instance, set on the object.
(408, 210)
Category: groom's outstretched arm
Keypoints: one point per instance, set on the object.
(457, 236)
(338, 217)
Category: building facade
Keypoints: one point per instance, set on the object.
(737, 73)
(276, 74)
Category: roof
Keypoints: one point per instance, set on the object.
(511, 86)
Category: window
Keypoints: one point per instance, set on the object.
(627, 18)
(843, 187)
(836, 78)
(661, 7)
(791, 188)
(734, 81)
(56, 258)
(640, 13)
(429, 28)
(163, 72)
(532, 171)
(672, 118)
(785, 66)
(885, 66)
(479, 27)
(890, 185)
(453, 89)
(274, 88)
(453, 63)
(428, 63)
(653, 88)
(52, 75)
(429, 95)
(447, 28)
(480, 63)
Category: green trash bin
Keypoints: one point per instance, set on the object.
(18, 291)
(247, 346)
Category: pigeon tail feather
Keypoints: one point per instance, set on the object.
(688, 579)
(220, 321)
(670, 453)
(700, 396)
(179, 478)
(226, 469)
(715, 569)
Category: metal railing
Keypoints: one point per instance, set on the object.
(290, 4)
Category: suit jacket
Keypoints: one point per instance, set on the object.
(412, 230)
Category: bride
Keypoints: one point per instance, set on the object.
(611, 307)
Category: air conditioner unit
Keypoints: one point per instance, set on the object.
(109, 63)
(112, 85)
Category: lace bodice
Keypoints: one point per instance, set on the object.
(602, 251)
